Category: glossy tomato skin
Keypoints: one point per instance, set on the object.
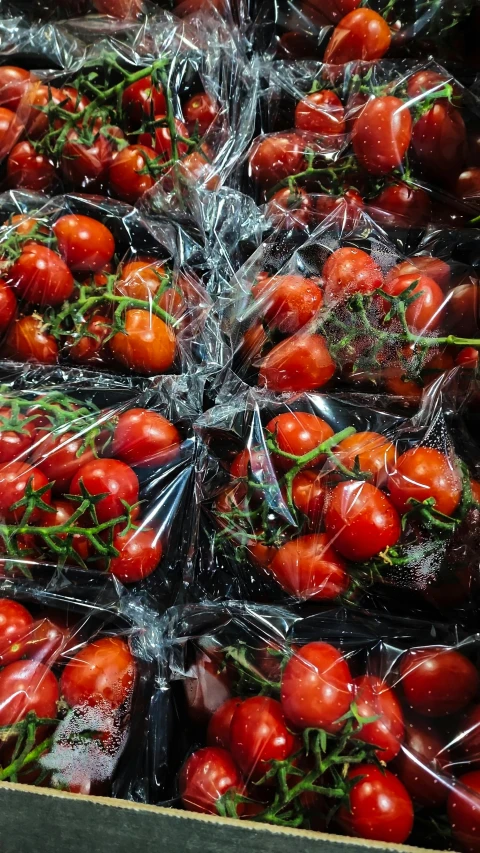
(118, 8)
(437, 681)
(29, 170)
(27, 686)
(288, 302)
(317, 688)
(299, 433)
(101, 673)
(27, 341)
(88, 347)
(148, 345)
(206, 777)
(10, 130)
(381, 134)
(15, 624)
(373, 453)
(422, 473)
(14, 443)
(439, 142)
(361, 520)
(423, 265)
(141, 279)
(321, 112)
(289, 208)
(400, 204)
(349, 270)
(426, 312)
(464, 309)
(380, 806)
(199, 112)
(421, 763)
(8, 305)
(161, 142)
(276, 157)
(63, 512)
(113, 478)
(127, 176)
(59, 457)
(207, 686)
(301, 363)
(140, 552)
(40, 276)
(86, 166)
(14, 478)
(361, 34)
(463, 809)
(468, 185)
(218, 731)
(308, 568)
(14, 82)
(44, 642)
(83, 242)
(145, 438)
(309, 496)
(259, 735)
(141, 99)
(374, 698)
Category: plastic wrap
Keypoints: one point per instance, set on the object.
(100, 475)
(339, 722)
(118, 10)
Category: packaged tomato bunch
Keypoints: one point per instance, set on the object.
(76, 676)
(98, 475)
(98, 284)
(342, 721)
(343, 304)
(119, 10)
(375, 131)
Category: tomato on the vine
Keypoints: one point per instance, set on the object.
(300, 363)
(142, 99)
(321, 112)
(276, 157)
(161, 139)
(206, 777)
(15, 624)
(425, 312)
(128, 175)
(88, 347)
(41, 276)
(145, 438)
(259, 735)
(10, 130)
(27, 340)
(207, 685)
(310, 569)
(349, 270)
(463, 809)
(420, 763)
(139, 553)
(83, 242)
(17, 441)
(380, 808)
(200, 111)
(400, 204)
(218, 731)
(25, 686)
(63, 511)
(374, 698)
(289, 208)
(59, 457)
(361, 521)
(317, 688)
(309, 495)
(373, 453)
(439, 141)
(299, 433)
(147, 344)
(101, 673)
(422, 473)
(288, 302)
(382, 134)
(14, 82)
(361, 34)
(29, 170)
(15, 478)
(113, 479)
(437, 680)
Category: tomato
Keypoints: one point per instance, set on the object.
(299, 433)
(257, 460)
(101, 673)
(373, 698)
(420, 764)
(437, 680)
(31, 110)
(334, 9)
(207, 685)
(44, 642)
(88, 347)
(259, 735)
(275, 157)
(147, 345)
(83, 242)
(468, 185)
(464, 309)
(28, 170)
(145, 438)
(362, 34)
(27, 686)
(347, 206)
(424, 472)
(380, 807)
(8, 305)
(349, 270)
(426, 265)
(161, 141)
(288, 302)
(59, 457)
(467, 357)
(143, 279)
(27, 341)
(400, 204)
(10, 130)
(72, 100)
(118, 8)
(361, 520)
(40, 276)
(463, 809)
(218, 732)
(309, 569)
(301, 363)
(63, 512)
(14, 82)
(439, 141)
(199, 112)
(206, 777)
(321, 112)
(426, 82)
(198, 168)
(142, 99)
(14, 479)
(15, 623)
(289, 208)
(309, 496)
(140, 552)
(128, 176)
(317, 688)
(15, 442)
(381, 134)
(261, 554)
(372, 452)
(425, 313)
(85, 166)
(117, 481)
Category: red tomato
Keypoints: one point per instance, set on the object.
(347, 207)
(380, 807)
(206, 777)
(468, 185)
(27, 341)
(141, 279)
(470, 736)
(40, 276)
(422, 473)
(147, 345)
(8, 305)
(334, 9)
(309, 569)
(321, 112)
(301, 363)
(348, 271)
(381, 134)
(73, 101)
(467, 357)
(161, 142)
(259, 735)
(59, 457)
(289, 208)
(16, 442)
(207, 685)
(118, 8)
(88, 347)
(373, 698)
(44, 642)
(439, 141)
(127, 174)
(463, 808)
(63, 513)
(299, 433)
(361, 521)
(424, 264)
(110, 477)
(464, 309)
(373, 453)
(425, 82)
(218, 732)
(14, 479)
(15, 624)
(141, 99)
(28, 170)
(317, 688)
(83, 242)
(309, 496)
(10, 130)
(139, 553)
(437, 680)
(31, 108)
(199, 112)
(425, 313)
(362, 34)
(86, 166)
(26, 686)
(400, 204)
(145, 438)
(288, 302)
(275, 157)
(101, 673)
(421, 763)
(198, 169)
(14, 82)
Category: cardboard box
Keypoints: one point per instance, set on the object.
(34, 820)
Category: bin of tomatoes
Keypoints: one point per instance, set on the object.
(99, 284)
(344, 721)
(377, 130)
(343, 304)
(98, 475)
(76, 677)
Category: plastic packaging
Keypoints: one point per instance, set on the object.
(118, 10)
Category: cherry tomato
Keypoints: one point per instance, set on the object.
(372, 452)
(88, 347)
(139, 553)
(259, 735)
(299, 433)
(161, 141)
(14, 479)
(72, 100)
(15, 442)
(206, 777)
(317, 688)
(468, 185)
(101, 673)
(424, 264)
(301, 363)
(141, 279)
(289, 208)
(110, 477)
(347, 207)
(218, 731)
(199, 112)
(400, 204)
(14, 82)
(463, 809)
(63, 512)
(86, 166)
(198, 168)
(142, 99)
(10, 130)
(84, 243)
(118, 8)
(422, 473)
(15, 624)
(426, 81)
(420, 764)
(309, 496)
(128, 175)
(464, 309)
(8, 305)
(373, 698)
(361, 34)
(381, 134)
(309, 568)
(147, 345)
(27, 686)
(288, 302)
(27, 341)
(439, 141)
(380, 807)
(321, 112)
(145, 438)
(59, 457)
(26, 169)
(207, 685)
(41, 276)
(349, 270)
(31, 109)
(361, 520)
(437, 680)
(276, 157)
(425, 312)
(44, 642)
(467, 357)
